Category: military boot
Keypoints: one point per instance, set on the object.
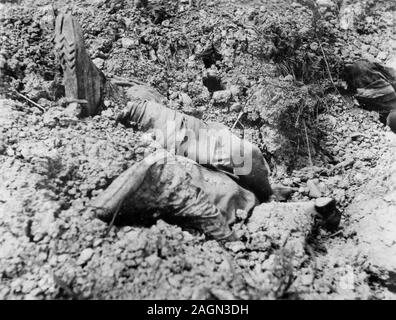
(83, 81)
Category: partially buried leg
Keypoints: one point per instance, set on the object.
(176, 190)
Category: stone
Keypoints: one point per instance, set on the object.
(325, 3)
(99, 62)
(47, 22)
(185, 99)
(344, 164)
(307, 279)
(349, 13)
(28, 286)
(127, 43)
(236, 246)
(382, 55)
(152, 259)
(222, 96)
(85, 256)
(73, 110)
(314, 46)
(314, 191)
(289, 78)
(236, 107)
(235, 90)
(225, 266)
(222, 294)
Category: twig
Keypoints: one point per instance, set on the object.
(335, 233)
(237, 120)
(329, 73)
(286, 239)
(309, 150)
(241, 112)
(31, 101)
(327, 65)
(113, 219)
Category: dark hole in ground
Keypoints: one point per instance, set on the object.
(210, 56)
(159, 14)
(213, 83)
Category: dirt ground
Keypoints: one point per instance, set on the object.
(271, 70)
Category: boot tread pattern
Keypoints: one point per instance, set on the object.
(66, 49)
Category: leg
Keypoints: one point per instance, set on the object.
(157, 189)
(208, 144)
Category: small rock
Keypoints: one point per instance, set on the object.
(173, 96)
(200, 293)
(85, 256)
(236, 246)
(225, 266)
(218, 260)
(235, 90)
(236, 107)
(339, 195)
(307, 279)
(99, 62)
(382, 55)
(185, 99)
(314, 46)
(367, 155)
(28, 286)
(151, 260)
(222, 294)
(73, 110)
(222, 96)
(241, 214)
(108, 113)
(47, 22)
(314, 191)
(49, 120)
(127, 43)
(325, 3)
(344, 164)
(10, 152)
(187, 236)
(174, 281)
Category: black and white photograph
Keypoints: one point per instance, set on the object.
(197, 150)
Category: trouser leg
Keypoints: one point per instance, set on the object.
(209, 145)
(163, 189)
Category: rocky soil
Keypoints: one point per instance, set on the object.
(271, 70)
